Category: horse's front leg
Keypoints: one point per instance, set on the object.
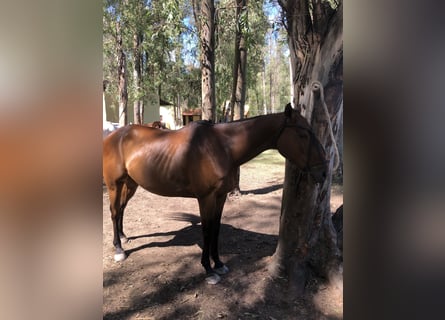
(207, 207)
(210, 211)
(205, 257)
(220, 268)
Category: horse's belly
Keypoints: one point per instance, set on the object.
(164, 184)
(172, 179)
(167, 190)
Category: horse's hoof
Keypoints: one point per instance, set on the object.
(222, 270)
(120, 256)
(213, 278)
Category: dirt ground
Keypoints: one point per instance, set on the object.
(162, 278)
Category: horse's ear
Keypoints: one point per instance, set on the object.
(288, 110)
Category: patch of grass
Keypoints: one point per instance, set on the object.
(272, 162)
(268, 158)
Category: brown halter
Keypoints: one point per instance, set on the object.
(307, 168)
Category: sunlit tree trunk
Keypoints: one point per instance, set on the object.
(271, 74)
(263, 78)
(204, 11)
(307, 239)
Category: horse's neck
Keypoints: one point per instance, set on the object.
(248, 138)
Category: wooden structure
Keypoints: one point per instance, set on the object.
(190, 115)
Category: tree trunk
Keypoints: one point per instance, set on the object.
(242, 71)
(271, 92)
(271, 74)
(307, 239)
(236, 65)
(207, 37)
(292, 93)
(238, 98)
(264, 88)
(122, 74)
(104, 105)
(137, 77)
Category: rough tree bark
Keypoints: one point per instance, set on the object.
(307, 239)
(206, 22)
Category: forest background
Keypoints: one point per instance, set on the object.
(152, 48)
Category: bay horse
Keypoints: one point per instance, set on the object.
(157, 124)
(200, 161)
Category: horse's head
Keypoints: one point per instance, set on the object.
(298, 143)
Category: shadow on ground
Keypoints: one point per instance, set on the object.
(264, 190)
(187, 296)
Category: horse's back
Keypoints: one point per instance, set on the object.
(153, 158)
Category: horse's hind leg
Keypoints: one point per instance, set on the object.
(114, 193)
(120, 192)
(128, 191)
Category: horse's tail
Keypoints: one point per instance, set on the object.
(113, 161)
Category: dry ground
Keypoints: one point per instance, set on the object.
(163, 279)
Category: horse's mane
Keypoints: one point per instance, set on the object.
(205, 122)
(210, 123)
(250, 118)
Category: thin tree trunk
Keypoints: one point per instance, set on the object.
(271, 84)
(137, 77)
(292, 93)
(271, 93)
(264, 88)
(242, 72)
(236, 65)
(238, 98)
(122, 75)
(104, 105)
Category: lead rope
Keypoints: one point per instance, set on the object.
(316, 85)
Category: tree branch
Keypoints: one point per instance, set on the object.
(283, 4)
(196, 12)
